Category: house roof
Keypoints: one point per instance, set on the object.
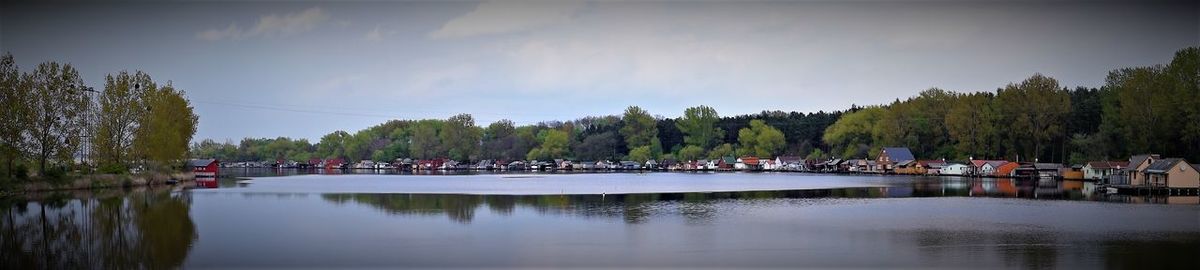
(898, 154)
(750, 160)
(1047, 166)
(1134, 161)
(996, 163)
(1007, 168)
(729, 160)
(200, 162)
(1163, 165)
(1108, 164)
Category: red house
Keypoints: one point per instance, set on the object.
(206, 171)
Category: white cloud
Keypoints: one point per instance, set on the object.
(498, 17)
(272, 25)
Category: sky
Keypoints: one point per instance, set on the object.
(304, 69)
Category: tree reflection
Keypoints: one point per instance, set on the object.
(142, 229)
(695, 208)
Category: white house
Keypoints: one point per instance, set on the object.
(955, 169)
(1100, 170)
(989, 168)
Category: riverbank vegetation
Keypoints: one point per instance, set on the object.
(1138, 110)
(55, 127)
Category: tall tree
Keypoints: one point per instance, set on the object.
(461, 137)
(121, 106)
(425, 141)
(639, 129)
(1035, 109)
(553, 145)
(698, 124)
(332, 145)
(56, 105)
(973, 127)
(853, 134)
(760, 140)
(170, 123)
(15, 109)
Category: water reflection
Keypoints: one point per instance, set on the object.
(113, 230)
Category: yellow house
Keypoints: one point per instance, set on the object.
(1172, 173)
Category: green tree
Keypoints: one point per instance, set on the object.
(699, 126)
(333, 145)
(461, 137)
(597, 147)
(14, 108)
(720, 151)
(56, 106)
(760, 140)
(853, 134)
(166, 129)
(973, 126)
(425, 141)
(553, 145)
(641, 154)
(122, 105)
(691, 152)
(1036, 109)
(639, 129)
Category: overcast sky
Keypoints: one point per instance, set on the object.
(268, 69)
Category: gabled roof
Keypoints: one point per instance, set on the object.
(1134, 161)
(1108, 164)
(898, 154)
(1163, 165)
(729, 160)
(200, 162)
(996, 163)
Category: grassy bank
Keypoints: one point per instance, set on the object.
(97, 181)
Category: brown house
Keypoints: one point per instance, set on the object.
(1136, 172)
(1172, 173)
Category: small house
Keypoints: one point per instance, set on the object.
(955, 169)
(205, 171)
(890, 156)
(1100, 170)
(1136, 171)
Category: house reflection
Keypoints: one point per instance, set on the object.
(696, 207)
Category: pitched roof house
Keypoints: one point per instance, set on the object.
(1136, 171)
(889, 156)
(1172, 173)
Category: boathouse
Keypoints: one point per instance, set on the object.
(206, 171)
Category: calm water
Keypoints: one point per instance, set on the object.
(640, 220)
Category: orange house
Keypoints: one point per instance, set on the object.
(1006, 170)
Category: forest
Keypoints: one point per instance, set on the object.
(1154, 109)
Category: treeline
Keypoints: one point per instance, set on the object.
(53, 123)
(1152, 109)
(1139, 110)
(634, 135)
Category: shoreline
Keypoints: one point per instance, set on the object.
(100, 182)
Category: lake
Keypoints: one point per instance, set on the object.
(682, 220)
